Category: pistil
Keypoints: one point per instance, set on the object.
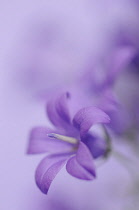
(67, 139)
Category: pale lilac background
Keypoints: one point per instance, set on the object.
(86, 26)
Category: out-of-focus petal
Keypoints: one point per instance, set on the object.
(120, 120)
(39, 142)
(62, 107)
(82, 164)
(87, 117)
(58, 112)
(121, 58)
(47, 170)
(104, 72)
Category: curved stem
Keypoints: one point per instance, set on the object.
(108, 142)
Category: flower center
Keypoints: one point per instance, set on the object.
(67, 139)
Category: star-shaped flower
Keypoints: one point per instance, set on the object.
(69, 142)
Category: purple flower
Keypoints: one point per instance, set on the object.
(99, 84)
(102, 74)
(69, 142)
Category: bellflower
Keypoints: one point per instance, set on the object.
(100, 81)
(104, 72)
(129, 96)
(69, 142)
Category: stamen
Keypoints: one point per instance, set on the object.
(68, 139)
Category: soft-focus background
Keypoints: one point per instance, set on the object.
(46, 45)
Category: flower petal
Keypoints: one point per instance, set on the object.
(95, 144)
(39, 142)
(47, 170)
(85, 158)
(58, 112)
(81, 165)
(87, 117)
(76, 170)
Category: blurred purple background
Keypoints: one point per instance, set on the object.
(47, 45)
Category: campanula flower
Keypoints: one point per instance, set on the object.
(69, 142)
(99, 85)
